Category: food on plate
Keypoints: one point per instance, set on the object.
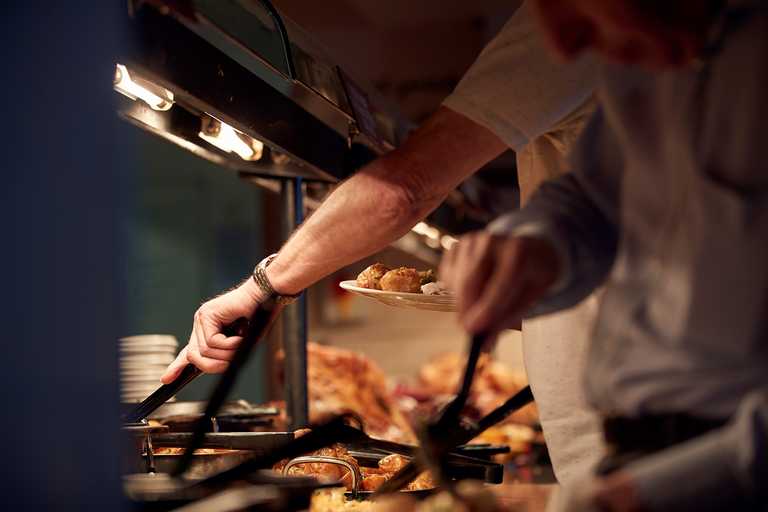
(427, 276)
(435, 288)
(344, 382)
(371, 276)
(402, 279)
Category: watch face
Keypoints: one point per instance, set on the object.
(260, 276)
(266, 261)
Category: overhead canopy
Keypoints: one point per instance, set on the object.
(238, 72)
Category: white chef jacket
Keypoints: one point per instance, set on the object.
(538, 107)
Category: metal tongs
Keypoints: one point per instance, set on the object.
(254, 330)
(442, 435)
(258, 326)
(187, 375)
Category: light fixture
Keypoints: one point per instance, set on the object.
(433, 237)
(136, 88)
(447, 241)
(422, 228)
(230, 140)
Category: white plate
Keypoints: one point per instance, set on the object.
(146, 359)
(137, 351)
(445, 303)
(155, 340)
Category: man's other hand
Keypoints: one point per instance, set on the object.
(497, 279)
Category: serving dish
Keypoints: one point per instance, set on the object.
(442, 303)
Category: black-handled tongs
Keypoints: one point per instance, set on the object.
(452, 411)
(258, 326)
(333, 430)
(187, 375)
(430, 436)
(443, 435)
(457, 436)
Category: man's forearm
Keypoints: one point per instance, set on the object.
(384, 200)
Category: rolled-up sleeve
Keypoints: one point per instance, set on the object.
(516, 89)
(724, 470)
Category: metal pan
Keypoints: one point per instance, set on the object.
(237, 416)
(221, 451)
(465, 468)
(419, 494)
(197, 408)
(204, 463)
(258, 443)
(163, 492)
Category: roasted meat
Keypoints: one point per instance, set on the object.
(402, 279)
(427, 276)
(371, 276)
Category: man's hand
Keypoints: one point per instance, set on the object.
(496, 279)
(208, 348)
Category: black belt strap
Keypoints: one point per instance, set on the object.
(629, 439)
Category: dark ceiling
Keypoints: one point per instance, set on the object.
(413, 51)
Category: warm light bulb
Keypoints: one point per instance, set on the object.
(157, 97)
(422, 228)
(447, 241)
(230, 140)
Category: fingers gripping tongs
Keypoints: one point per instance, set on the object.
(442, 435)
(187, 375)
(434, 443)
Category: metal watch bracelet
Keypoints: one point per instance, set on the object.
(262, 281)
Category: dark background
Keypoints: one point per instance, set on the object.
(66, 177)
(108, 232)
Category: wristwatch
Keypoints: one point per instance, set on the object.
(260, 277)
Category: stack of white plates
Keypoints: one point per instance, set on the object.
(143, 360)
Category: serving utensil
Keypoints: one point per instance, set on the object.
(168, 391)
(320, 436)
(441, 436)
(460, 434)
(259, 324)
(434, 444)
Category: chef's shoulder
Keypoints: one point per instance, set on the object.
(517, 88)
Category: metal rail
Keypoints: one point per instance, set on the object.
(294, 321)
